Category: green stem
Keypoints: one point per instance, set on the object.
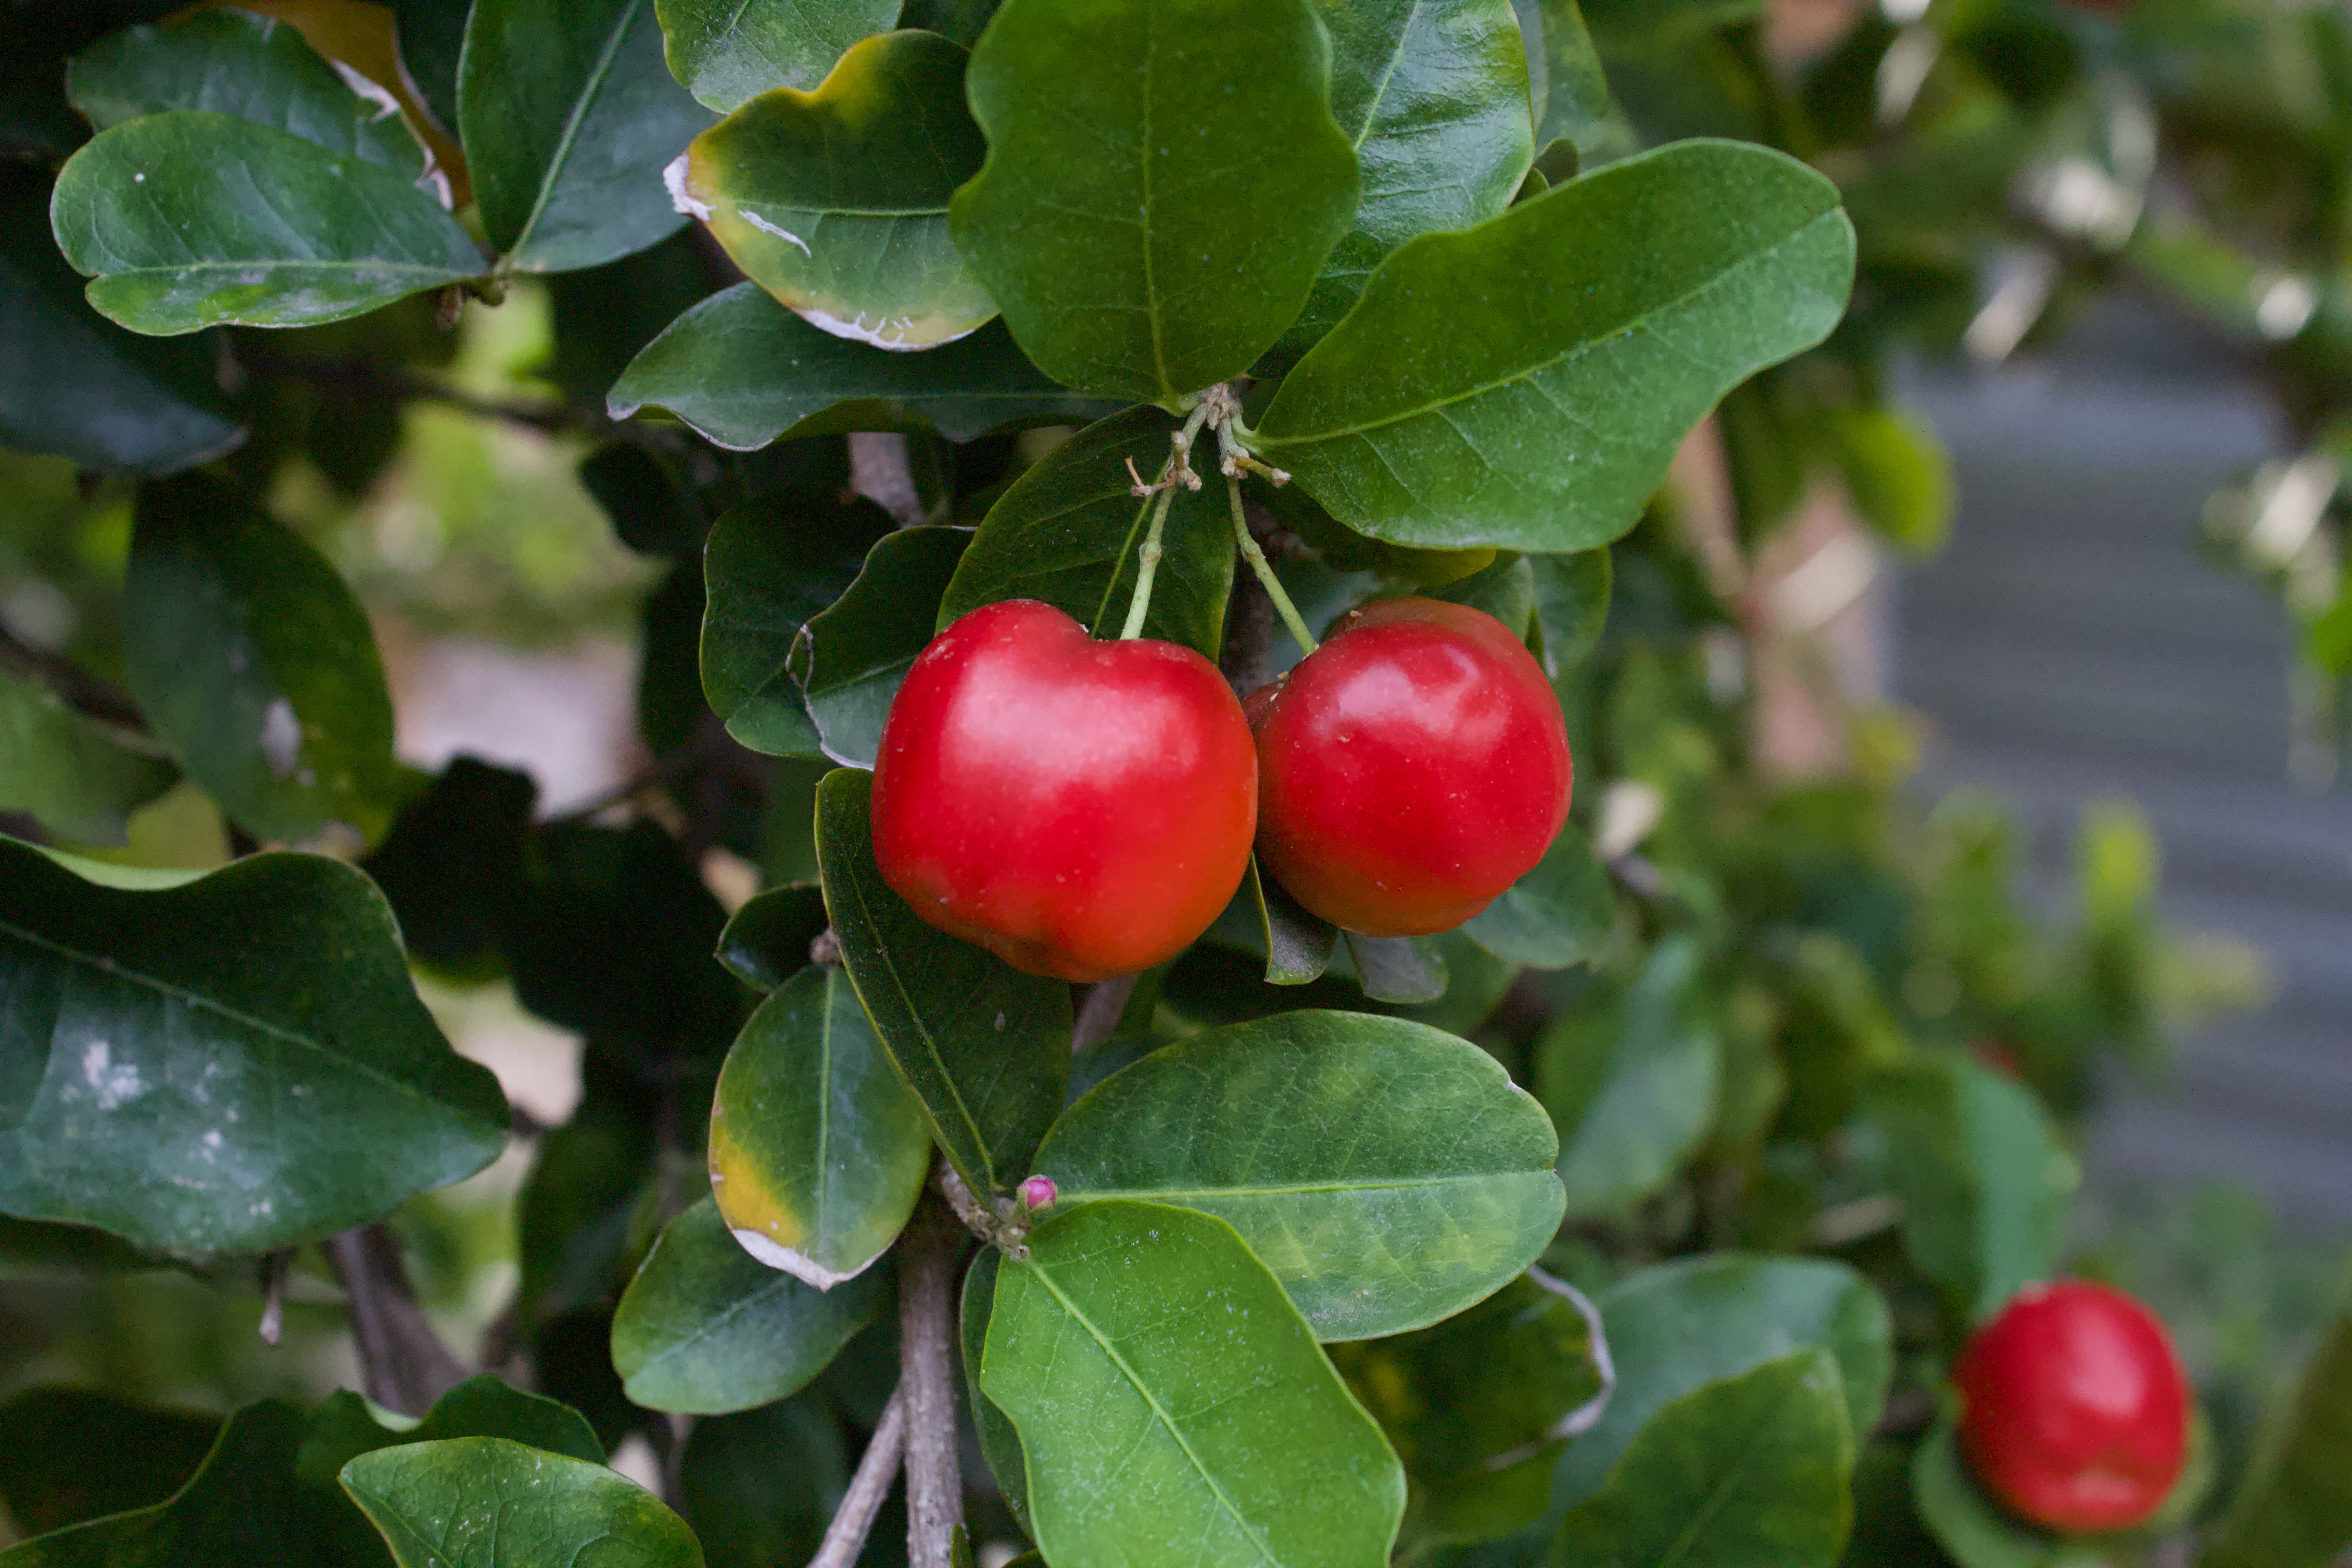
(1264, 570)
(1147, 565)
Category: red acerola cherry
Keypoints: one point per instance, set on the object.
(2076, 1409)
(1410, 769)
(1081, 809)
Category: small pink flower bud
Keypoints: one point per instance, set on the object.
(1039, 1192)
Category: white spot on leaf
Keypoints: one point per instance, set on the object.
(787, 236)
(281, 738)
(111, 1084)
(680, 198)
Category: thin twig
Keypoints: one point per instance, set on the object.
(402, 1360)
(927, 1262)
(274, 1267)
(1098, 1014)
(80, 689)
(844, 1538)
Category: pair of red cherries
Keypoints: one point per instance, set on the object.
(1087, 809)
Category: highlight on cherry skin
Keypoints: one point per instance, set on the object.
(1083, 809)
(1410, 769)
(2076, 1409)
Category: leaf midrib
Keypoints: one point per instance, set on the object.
(1721, 1494)
(1566, 356)
(222, 1009)
(1265, 1549)
(572, 123)
(362, 264)
(1290, 1189)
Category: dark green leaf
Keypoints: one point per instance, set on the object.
(745, 371)
(766, 941)
(466, 1501)
(854, 654)
(2293, 1510)
(256, 665)
(1556, 915)
(77, 777)
(612, 936)
(1677, 1328)
(1572, 96)
(1266, 921)
(431, 35)
(706, 1328)
(255, 67)
(1129, 221)
(1572, 608)
(727, 51)
(1505, 589)
(1398, 968)
(73, 383)
(1433, 94)
(1479, 1406)
(986, 1046)
(770, 566)
(233, 1064)
(835, 201)
(568, 116)
(605, 316)
(1067, 533)
(998, 1440)
(1977, 1532)
(452, 864)
(651, 512)
(1630, 1078)
(584, 1214)
(342, 1427)
(1749, 1472)
(818, 1151)
(67, 1454)
(189, 219)
(1387, 1173)
(1524, 384)
(1982, 1176)
(758, 1487)
(1174, 1407)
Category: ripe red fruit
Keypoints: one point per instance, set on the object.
(2076, 1410)
(1410, 769)
(1081, 809)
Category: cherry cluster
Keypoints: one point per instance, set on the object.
(1086, 809)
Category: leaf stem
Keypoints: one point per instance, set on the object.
(844, 1538)
(1264, 569)
(1147, 565)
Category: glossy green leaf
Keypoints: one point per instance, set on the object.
(1525, 383)
(253, 66)
(1129, 221)
(706, 1328)
(1976, 1531)
(343, 1427)
(2293, 1508)
(451, 864)
(1748, 1472)
(1403, 970)
(1387, 1173)
(1630, 1078)
(770, 563)
(745, 371)
(759, 1486)
(1174, 1407)
(77, 777)
(191, 219)
(71, 1455)
(1504, 588)
(818, 1149)
(490, 1500)
(568, 116)
(998, 1442)
(256, 665)
(766, 941)
(74, 383)
(1572, 94)
(854, 654)
(1433, 95)
(1298, 946)
(1675, 1327)
(1556, 915)
(233, 1064)
(1572, 608)
(1478, 1407)
(986, 1046)
(727, 51)
(1069, 530)
(835, 201)
(1982, 1176)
